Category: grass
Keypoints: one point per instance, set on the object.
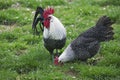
(23, 56)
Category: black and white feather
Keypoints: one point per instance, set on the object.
(55, 36)
(54, 33)
(87, 44)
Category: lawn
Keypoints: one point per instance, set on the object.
(23, 56)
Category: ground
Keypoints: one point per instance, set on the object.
(23, 56)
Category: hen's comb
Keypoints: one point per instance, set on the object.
(48, 11)
(56, 60)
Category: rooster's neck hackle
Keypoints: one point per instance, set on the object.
(56, 29)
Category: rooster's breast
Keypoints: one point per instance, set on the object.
(51, 44)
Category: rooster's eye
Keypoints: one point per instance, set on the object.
(49, 18)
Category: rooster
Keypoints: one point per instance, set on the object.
(87, 44)
(54, 33)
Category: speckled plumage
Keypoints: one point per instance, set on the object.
(87, 44)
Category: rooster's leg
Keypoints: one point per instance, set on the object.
(52, 56)
(57, 54)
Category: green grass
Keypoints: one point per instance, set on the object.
(23, 56)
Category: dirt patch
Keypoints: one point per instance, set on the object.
(72, 72)
(4, 28)
(20, 52)
(94, 60)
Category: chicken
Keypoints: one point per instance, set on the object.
(54, 33)
(87, 44)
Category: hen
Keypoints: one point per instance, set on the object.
(87, 44)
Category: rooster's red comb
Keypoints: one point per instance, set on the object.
(48, 11)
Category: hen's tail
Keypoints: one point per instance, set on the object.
(104, 29)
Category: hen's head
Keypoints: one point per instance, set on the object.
(47, 12)
(56, 61)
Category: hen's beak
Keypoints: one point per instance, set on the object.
(57, 62)
(60, 63)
